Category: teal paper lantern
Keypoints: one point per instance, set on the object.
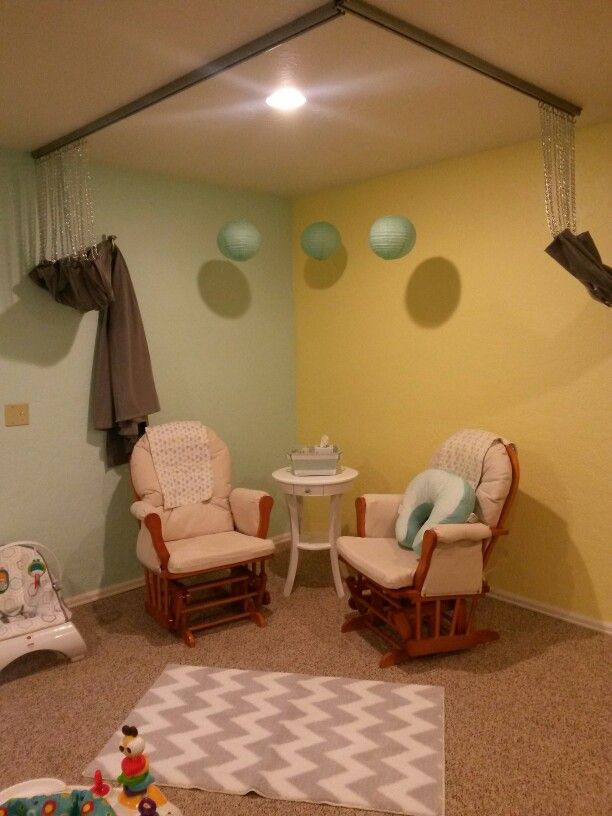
(392, 236)
(320, 240)
(239, 240)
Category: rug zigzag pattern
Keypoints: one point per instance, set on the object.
(359, 743)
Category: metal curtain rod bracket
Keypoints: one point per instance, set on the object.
(319, 16)
(423, 38)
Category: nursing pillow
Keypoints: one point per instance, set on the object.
(433, 497)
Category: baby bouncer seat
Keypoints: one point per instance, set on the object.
(33, 616)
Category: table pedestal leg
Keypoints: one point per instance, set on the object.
(294, 517)
(334, 532)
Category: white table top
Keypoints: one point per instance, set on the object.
(285, 476)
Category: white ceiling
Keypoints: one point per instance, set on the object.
(376, 102)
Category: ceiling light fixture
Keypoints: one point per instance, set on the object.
(286, 99)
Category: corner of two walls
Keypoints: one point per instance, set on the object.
(476, 327)
(221, 340)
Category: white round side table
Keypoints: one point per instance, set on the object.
(295, 488)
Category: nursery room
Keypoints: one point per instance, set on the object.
(305, 380)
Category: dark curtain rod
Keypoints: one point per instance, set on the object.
(319, 16)
(446, 49)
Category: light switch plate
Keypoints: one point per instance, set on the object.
(18, 414)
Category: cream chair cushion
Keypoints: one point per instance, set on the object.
(456, 567)
(381, 559)
(203, 552)
(381, 514)
(494, 484)
(202, 518)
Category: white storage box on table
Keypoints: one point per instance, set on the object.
(314, 460)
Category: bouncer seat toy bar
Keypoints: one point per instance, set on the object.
(33, 616)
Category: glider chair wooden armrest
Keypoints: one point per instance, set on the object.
(420, 605)
(204, 563)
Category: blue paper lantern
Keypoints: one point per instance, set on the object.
(239, 240)
(320, 240)
(392, 236)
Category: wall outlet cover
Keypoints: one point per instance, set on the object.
(17, 414)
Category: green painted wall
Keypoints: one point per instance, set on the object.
(221, 341)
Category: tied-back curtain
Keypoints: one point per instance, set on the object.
(124, 391)
(579, 255)
(575, 252)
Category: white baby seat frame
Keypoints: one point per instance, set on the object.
(33, 616)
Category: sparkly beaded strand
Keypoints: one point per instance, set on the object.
(64, 200)
(558, 150)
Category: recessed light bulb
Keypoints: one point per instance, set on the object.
(286, 99)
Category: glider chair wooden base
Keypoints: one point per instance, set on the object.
(173, 600)
(426, 605)
(204, 563)
(411, 625)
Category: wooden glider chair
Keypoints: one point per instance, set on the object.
(200, 557)
(425, 605)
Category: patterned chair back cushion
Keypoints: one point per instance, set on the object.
(202, 518)
(494, 484)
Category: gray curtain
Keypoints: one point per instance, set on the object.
(123, 386)
(579, 255)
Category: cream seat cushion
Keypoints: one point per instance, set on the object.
(381, 559)
(203, 552)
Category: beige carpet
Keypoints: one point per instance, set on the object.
(526, 718)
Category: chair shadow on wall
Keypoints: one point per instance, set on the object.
(224, 288)
(433, 292)
(324, 274)
(118, 562)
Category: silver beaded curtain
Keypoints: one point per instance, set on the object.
(65, 208)
(575, 252)
(558, 149)
(86, 275)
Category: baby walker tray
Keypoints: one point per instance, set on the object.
(315, 460)
(53, 797)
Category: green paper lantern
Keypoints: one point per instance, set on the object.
(320, 240)
(392, 236)
(239, 240)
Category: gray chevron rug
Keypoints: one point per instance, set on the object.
(355, 743)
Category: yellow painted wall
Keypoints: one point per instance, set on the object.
(476, 327)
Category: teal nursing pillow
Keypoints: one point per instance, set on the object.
(433, 497)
